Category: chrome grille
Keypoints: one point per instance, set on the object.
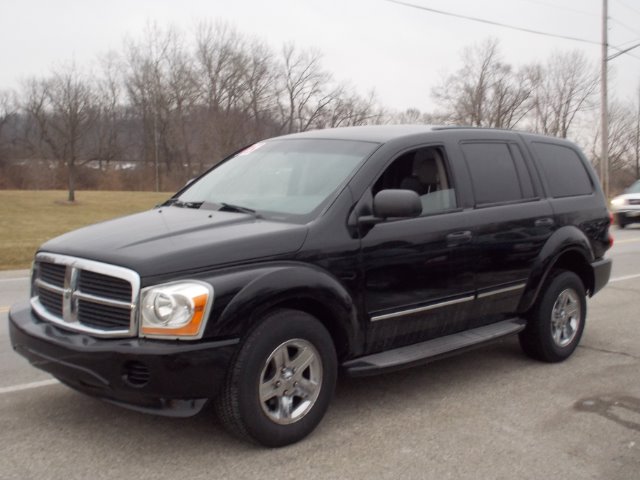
(85, 296)
(104, 286)
(53, 274)
(52, 301)
(102, 316)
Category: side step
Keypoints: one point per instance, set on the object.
(431, 349)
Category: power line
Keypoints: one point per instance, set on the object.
(623, 51)
(628, 6)
(624, 44)
(627, 27)
(491, 22)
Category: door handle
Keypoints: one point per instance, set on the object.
(544, 222)
(458, 238)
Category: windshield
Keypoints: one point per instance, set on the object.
(635, 188)
(291, 177)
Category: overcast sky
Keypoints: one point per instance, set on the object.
(398, 51)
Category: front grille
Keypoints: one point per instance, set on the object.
(103, 316)
(86, 296)
(52, 273)
(634, 201)
(52, 301)
(104, 286)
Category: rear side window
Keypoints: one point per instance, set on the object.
(563, 169)
(496, 176)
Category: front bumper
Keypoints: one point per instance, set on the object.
(628, 215)
(601, 273)
(165, 377)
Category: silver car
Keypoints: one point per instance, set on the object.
(626, 207)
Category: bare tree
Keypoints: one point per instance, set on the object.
(304, 92)
(564, 87)
(261, 90)
(347, 108)
(63, 107)
(8, 112)
(622, 143)
(145, 84)
(105, 135)
(222, 63)
(635, 132)
(485, 92)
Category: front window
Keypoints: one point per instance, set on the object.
(280, 177)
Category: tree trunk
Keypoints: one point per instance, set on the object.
(72, 182)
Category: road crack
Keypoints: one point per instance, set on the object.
(613, 352)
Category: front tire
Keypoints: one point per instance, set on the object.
(556, 322)
(281, 381)
(621, 221)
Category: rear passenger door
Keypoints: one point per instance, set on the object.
(511, 222)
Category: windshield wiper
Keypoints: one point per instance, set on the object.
(229, 207)
(176, 202)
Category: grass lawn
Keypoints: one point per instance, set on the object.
(29, 217)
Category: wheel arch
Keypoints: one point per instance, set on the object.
(299, 287)
(568, 249)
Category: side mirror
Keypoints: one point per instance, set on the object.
(396, 203)
(392, 203)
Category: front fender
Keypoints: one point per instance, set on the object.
(242, 297)
(565, 239)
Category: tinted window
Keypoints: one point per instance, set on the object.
(523, 171)
(494, 174)
(563, 169)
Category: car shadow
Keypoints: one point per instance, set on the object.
(63, 409)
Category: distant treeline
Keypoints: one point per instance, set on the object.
(173, 103)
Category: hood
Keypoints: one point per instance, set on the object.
(173, 239)
(629, 196)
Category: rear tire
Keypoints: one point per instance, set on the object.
(281, 381)
(556, 322)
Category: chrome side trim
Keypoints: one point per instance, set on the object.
(512, 288)
(426, 308)
(70, 295)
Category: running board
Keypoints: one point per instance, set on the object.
(430, 350)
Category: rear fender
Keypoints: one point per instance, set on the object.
(566, 242)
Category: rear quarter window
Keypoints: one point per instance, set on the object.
(563, 169)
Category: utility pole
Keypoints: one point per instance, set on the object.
(604, 107)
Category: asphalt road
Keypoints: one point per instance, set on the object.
(488, 414)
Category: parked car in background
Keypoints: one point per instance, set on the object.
(626, 207)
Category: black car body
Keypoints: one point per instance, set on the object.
(432, 241)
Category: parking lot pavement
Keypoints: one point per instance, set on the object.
(488, 414)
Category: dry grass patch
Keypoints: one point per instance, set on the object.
(28, 218)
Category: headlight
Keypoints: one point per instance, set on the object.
(618, 201)
(175, 309)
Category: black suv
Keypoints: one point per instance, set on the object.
(363, 249)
